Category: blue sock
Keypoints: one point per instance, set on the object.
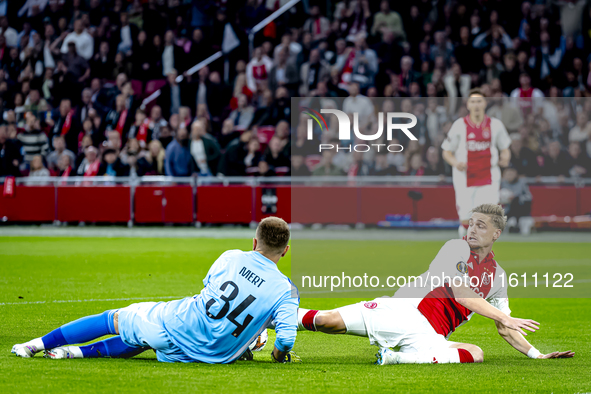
(112, 347)
(81, 330)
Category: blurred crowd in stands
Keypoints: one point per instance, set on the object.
(74, 75)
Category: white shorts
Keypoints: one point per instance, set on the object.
(392, 322)
(468, 198)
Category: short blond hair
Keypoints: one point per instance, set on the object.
(273, 234)
(495, 212)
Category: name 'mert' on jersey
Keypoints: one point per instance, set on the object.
(244, 292)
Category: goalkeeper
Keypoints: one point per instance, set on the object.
(244, 292)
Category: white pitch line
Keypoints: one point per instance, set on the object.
(90, 300)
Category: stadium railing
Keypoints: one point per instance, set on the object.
(244, 200)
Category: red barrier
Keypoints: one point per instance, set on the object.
(378, 201)
(157, 204)
(584, 199)
(148, 204)
(554, 200)
(224, 204)
(29, 204)
(281, 204)
(106, 204)
(235, 204)
(178, 207)
(337, 205)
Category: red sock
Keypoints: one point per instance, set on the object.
(465, 356)
(465, 226)
(308, 320)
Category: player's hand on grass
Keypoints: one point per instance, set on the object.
(520, 325)
(567, 354)
(290, 357)
(461, 166)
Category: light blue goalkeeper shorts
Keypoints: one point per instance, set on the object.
(140, 325)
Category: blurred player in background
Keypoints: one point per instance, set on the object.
(476, 146)
(244, 292)
(422, 315)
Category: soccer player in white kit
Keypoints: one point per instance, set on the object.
(420, 317)
(476, 146)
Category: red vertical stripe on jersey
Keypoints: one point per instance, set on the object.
(440, 307)
(442, 310)
(478, 141)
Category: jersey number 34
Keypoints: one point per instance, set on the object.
(226, 307)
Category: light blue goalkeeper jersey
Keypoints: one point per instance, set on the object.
(244, 292)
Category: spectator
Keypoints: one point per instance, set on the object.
(442, 47)
(101, 64)
(204, 149)
(581, 163)
(90, 165)
(126, 36)
(363, 65)
(257, 70)
(243, 115)
(140, 130)
(312, 72)
(10, 153)
(516, 198)
(232, 162)
(33, 140)
(509, 77)
(381, 166)
(64, 166)
(326, 166)
(81, 39)
(283, 74)
(275, 157)
(151, 162)
(523, 159)
(317, 25)
(38, 170)
(582, 130)
(434, 164)
(556, 162)
(526, 96)
(65, 123)
(112, 165)
(173, 56)
(178, 160)
(456, 85)
(388, 20)
(298, 164)
(507, 113)
(59, 146)
(172, 95)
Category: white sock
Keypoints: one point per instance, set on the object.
(36, 344)
(76, 352)
(462, 231)
(439, 356)
(301, 313)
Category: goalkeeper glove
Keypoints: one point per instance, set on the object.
(290, 357)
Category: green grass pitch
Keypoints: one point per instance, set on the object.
(95, 274)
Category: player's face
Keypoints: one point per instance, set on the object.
(476, 104)
(481, 231)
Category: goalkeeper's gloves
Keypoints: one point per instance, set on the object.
(291, 357)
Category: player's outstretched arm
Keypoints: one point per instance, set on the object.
(286, 323)
(515, 339)
(466, 297)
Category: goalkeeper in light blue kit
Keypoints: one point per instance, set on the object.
(244, 292)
